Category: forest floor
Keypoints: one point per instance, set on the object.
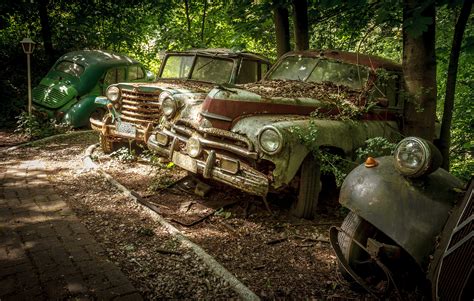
(274, 254)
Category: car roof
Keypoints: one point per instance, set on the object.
(222, 52)
(371, 61)
(97, 57)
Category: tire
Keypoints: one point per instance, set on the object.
(106, 144)
(308, 190)
(359, 229)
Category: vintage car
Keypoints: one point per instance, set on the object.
(399, 206)
(67, 93)
(135, 109)
(245, 137)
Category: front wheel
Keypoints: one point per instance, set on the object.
(309, 188)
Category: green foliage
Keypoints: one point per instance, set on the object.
(375, 147)
(331, 163)
(462, 131)
(124, 155)
(35, 127)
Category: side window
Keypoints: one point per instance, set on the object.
(248, 72)
(135, 72)
(114, 76)
(263, 70)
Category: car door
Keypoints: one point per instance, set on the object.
(113, 76)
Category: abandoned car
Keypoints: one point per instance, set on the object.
(247, 137)
(399, 206)
(135, 109)
(67, 93)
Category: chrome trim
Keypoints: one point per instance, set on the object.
(210, 161)
(214, 144)
(215, 116)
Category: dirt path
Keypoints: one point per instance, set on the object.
(273, 254)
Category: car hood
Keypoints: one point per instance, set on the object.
(226, 105)
(175, 87)
(54, 91)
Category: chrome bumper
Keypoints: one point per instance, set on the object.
(246, 179)
(107, 128)
(243, 177)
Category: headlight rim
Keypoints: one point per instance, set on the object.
(200, 148)
(168, 97)
(119, 93)
(280, 137)
(426, 167)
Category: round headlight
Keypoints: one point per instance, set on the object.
(193, 147)
(270, 140)
(169, 107)
(415, 157)
(113, 93)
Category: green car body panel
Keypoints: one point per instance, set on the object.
(68, 95)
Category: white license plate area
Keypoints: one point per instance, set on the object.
(185, 162)
(126, 128)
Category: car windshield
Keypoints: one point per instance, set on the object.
(70, 68)
(319, 70)
(177, 66)
(214, 70)
(210, 69)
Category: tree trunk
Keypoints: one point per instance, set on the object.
(282, 29)
(419, 67)
(445, 136)
(300, 20)
(188, 20)
(203, 20)
(46, 29)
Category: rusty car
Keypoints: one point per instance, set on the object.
(402, 208)
(245, 136)
(136, 108)
(68, 92)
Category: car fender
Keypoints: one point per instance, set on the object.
(289, 159)
(412, 212)
(78, 115)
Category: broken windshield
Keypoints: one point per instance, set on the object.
(317, 70)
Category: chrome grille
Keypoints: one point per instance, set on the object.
(140, 108)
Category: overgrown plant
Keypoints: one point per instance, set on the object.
(35, 127)
(331, 164)
(375, 147)
(124, 155)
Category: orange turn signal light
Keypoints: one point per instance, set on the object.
(110, 106)
(370, 162)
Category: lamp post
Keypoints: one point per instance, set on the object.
(28, 48)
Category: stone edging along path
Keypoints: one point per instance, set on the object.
(244, 292)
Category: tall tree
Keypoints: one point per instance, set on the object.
(419, 67)
(203, 20)
(445, 136)
(282, 28)
(300, 23)
(186, 11)
(46, 29)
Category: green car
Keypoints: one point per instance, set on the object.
(68, 91)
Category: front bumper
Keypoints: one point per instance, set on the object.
(109, 129)
(241, 175)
